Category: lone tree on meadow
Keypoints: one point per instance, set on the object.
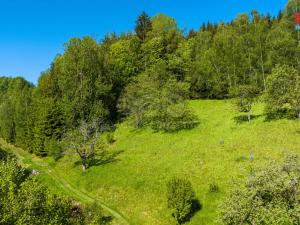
(181, 199)
(245, 98)
(84, 141)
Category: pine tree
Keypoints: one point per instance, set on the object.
(143, 26)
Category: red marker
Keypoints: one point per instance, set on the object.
(297, 18)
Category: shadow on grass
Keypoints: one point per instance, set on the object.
(106, 158)
(244, 118)
(102, 159)
(170, 127)
(175, 129)
(282, 114)
(196, 207)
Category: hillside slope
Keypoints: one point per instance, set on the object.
(217, 151)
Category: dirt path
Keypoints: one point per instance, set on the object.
(61, 182)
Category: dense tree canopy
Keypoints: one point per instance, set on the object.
(283, 91)
(156, 98)
(149, 74)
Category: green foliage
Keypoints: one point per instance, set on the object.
(85, 142)
(25, 201)
(213, 187)
(270, 196)
(82, 81)
(162, 24)
(173, 117)
(143, 26)
(282, 93)
(15, 110)
(282, 45)
(157, 99)
(246, 95)
(180, 197)
(94, 215)
(92, 79)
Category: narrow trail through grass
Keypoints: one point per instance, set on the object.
(44, 167)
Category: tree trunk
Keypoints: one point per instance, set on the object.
(83, 167)
(83, 164)
(262, 64)
(249, 116)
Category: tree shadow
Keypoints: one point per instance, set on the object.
(103, 158)
(107, 219)
(174, 130)
(196, 207)
(244, 118)
(282, 114)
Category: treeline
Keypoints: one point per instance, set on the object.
(147, 75)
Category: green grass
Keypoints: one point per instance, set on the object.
(134, 184)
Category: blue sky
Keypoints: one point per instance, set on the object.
(32, 32)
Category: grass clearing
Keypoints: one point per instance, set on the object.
(217, 151)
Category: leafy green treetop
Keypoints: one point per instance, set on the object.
(245, 98)
(181, 199)
(283, 91)
(270, 196)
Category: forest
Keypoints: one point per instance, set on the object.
(147, 79)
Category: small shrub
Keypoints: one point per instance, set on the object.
(213, 187)
(181, 199)
(94, 215)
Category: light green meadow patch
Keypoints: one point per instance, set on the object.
(220, 150)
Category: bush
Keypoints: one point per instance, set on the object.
(181, 199)
(94, 215)
(213, 187)
(270, 196)
(26, 201)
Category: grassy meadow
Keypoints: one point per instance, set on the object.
(216, 151)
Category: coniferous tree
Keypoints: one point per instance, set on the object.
(143, 26)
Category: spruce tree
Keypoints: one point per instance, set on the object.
(143, 26)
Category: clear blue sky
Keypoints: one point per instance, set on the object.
(32, 32)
